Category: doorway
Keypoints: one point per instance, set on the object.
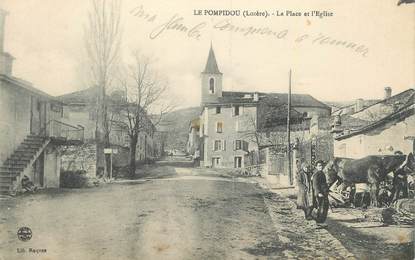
(37, 115)
(39, 170)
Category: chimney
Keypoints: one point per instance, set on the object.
(6, 60)
(359, 105)
(3, 15)
(388, 92)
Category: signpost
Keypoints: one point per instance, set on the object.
(290, 177)
(110, 151)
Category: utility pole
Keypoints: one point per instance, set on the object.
(290, 177)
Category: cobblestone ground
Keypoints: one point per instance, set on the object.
(181, 213)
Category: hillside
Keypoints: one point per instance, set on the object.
(176, 124)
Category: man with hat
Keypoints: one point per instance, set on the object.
(320, 193)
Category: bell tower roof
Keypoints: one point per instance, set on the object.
(211, 64)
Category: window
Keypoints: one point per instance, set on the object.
(238, 144)
(212, 86)
(236, 111)
(238, 162)
(219, 127)
(218, 110)
(215, 161)
(218, 145)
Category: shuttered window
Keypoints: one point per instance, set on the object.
(219, 127)
(219, 145)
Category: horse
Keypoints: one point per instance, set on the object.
(370, 170)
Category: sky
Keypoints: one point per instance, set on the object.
(46, 38)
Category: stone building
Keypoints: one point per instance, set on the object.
(231, 122)
(31, 129)
(79, 108)
(383, 128)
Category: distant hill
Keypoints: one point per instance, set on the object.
(176, 124)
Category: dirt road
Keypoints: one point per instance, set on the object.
(178, 213)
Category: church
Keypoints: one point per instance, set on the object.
(234, 124)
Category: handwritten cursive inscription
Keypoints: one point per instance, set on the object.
(176, 23)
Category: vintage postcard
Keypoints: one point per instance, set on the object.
(138, 129)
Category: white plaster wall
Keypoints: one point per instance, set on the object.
(14, 119)
(386, 142)
(51, 168)
(229, 133)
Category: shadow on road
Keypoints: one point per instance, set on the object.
(368, 246)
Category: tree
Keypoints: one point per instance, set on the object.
(102, 40)
(268, 126)
(144, 91)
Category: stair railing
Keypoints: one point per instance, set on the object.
(58, 129)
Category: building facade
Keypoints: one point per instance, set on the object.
(31, 130)
(386, 127)
(232, 123)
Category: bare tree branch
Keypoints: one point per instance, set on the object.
(144, 91)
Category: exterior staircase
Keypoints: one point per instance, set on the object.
(21, 159)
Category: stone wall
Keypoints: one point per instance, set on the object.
(79, 157)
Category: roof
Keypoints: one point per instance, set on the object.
(211, 64)
(89, 95)
(393, 118)
(399, 100)
(300, 100)
(297, 100)
(80, 97)
(342, 105)
(24, 85)
(349, 122)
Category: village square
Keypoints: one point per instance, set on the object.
(121, 169)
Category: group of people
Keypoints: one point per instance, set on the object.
(313, 191)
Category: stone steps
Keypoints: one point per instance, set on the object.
(18, 161)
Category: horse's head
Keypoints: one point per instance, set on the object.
(391, 163)
(331, 170)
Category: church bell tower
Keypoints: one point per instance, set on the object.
(211, 80)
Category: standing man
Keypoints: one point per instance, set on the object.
(320, 192)
(305, 191)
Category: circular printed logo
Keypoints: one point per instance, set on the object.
(24, 234)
